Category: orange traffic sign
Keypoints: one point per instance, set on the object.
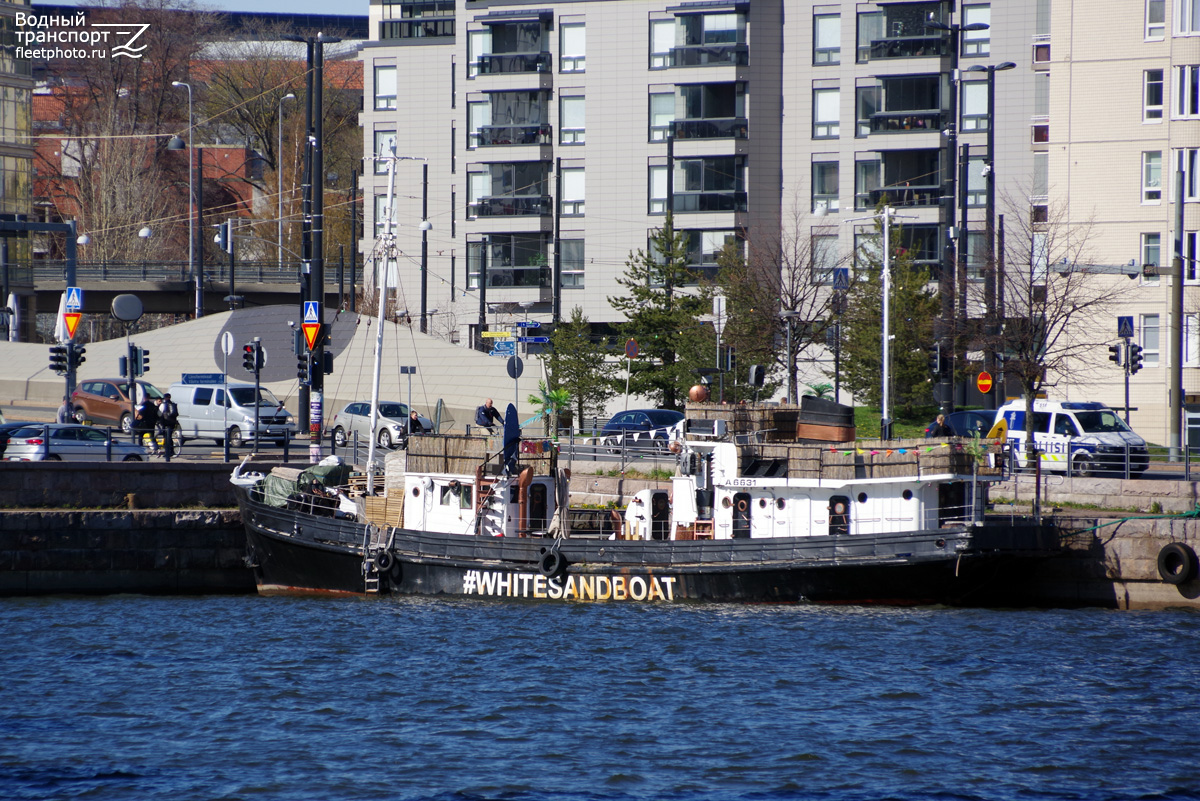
(72, 321)
(984, 382)
(311, 330)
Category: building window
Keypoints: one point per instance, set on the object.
(704, 248)
(870, 29)
(572, 47)
(827, 39)
(662, 114)
(662, 41)
(866, 104)
(716, 183)
(1187, 17)
(1152, 101)
(1151, 253)
(824, 258)
(1150, 340)
(1152, 176)
(572, 192)
(977, 43)
(1191, 340)
(824, 186)
(976, 182)
(1155, 20)
(381, 202)
(1190, 252)
(385, 88)
(868, 178)
(977, 261)
(1186, 97)
(826, 103)
(1041, 177)
(571, 121)
(571, 262)
(974, 106)
(657, 185)
(1187, 164)
(385, 145)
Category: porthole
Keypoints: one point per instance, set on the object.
(862, 497)
(780, 503)
(762, 503)
(416, 492)
(907, 495)
(726, 503)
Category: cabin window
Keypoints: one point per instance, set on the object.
(762, 503)
(780, 503)
(416, 492)
(455, 494)
(862, 497)
(907, 495)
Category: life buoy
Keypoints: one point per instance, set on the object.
(551, 564)
(742, 505)
(1177, 563)
(384, 561)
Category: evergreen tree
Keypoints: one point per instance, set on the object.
(579, 364)
(662, 311)
(913, 306)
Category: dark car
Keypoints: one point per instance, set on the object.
(967, 424)
(640, 428)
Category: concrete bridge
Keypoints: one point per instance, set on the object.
(168, 288)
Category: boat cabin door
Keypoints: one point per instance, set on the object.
(839, 516)
(741, 516)
(660, 516)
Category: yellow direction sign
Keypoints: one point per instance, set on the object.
(497, 334)
(72, 321)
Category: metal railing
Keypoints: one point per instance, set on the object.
(257, 272)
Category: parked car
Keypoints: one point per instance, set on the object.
(391, 429)
(69, 442)
(6, 430)
(107, 401)
(1080, 437)
(640, 428)
(966, 424)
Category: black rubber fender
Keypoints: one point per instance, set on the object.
(384, 561)
(1177, 563)
(551, 564)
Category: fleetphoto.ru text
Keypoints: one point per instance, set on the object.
(55, 36)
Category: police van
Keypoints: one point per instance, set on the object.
(210, 408)
(1080, 437)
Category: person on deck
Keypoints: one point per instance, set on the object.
(488, 416)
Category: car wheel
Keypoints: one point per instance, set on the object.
(133, 457)
(613, 445)
(385, 438)
(235, 437)
(126, 423)
(80, 415)
(53, 458)
(1082, 465)
(339, 437)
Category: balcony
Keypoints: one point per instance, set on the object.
(509, 63)
(530, 276)
(906, 121)
(715, 128)
(912, 195)
(534, 134)
(685, 202)
(908, 47)
(511, 206)
(734, 55)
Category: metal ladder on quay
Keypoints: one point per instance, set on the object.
(372, 542)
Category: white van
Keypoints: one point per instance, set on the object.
(206, 411)
(1082, 437)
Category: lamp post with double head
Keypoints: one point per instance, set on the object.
(279, 174)
(196, 276)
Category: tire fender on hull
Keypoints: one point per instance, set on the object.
(1177, 563)
(552, 563)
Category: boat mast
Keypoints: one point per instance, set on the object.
(389, 251)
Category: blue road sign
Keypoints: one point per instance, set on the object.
(504, 349)
(529, 324)
(1125, 327)
(310, 312)
(536, 340)
(841, 278)
(203, 378)
(74, 298)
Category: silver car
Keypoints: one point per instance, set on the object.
(391, 429)
(71, 443)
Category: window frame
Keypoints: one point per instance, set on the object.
(1153, 112)
(825, 128)
(826, 56)
(822, 168)
(571, 62)
(385, 102)
(571, 135)
(1185, 93)
(1150, 328)
(1156, 31)
(1187, 17)
(659, 133)
(381, 165)
(1151, 186)
(976, 43)
(569, 206)
(1151, 251)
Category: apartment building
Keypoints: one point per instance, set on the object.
(557, 134)
(16, 175)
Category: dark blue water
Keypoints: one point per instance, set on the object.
(253, 698)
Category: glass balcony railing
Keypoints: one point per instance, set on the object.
(905, 121)
(715, 128)
(908, 47)
(709, 201)
(737, 55)
(500, 63)
(908, 195)
(511, 206)
(529, 276)
(535, 134)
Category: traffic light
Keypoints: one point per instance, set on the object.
(58, 359)
(123, 367)
(757, 375)
(328, 358)
(302, 367)
(1135, 358)
(260, 357)
(1114, 354)
(75, 355)
(143, 361)
(249, 356)
(935, 363)
(224, 237)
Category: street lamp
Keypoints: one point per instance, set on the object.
(991, 286)
(279, 171)
(886, 215)
(177, 144)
